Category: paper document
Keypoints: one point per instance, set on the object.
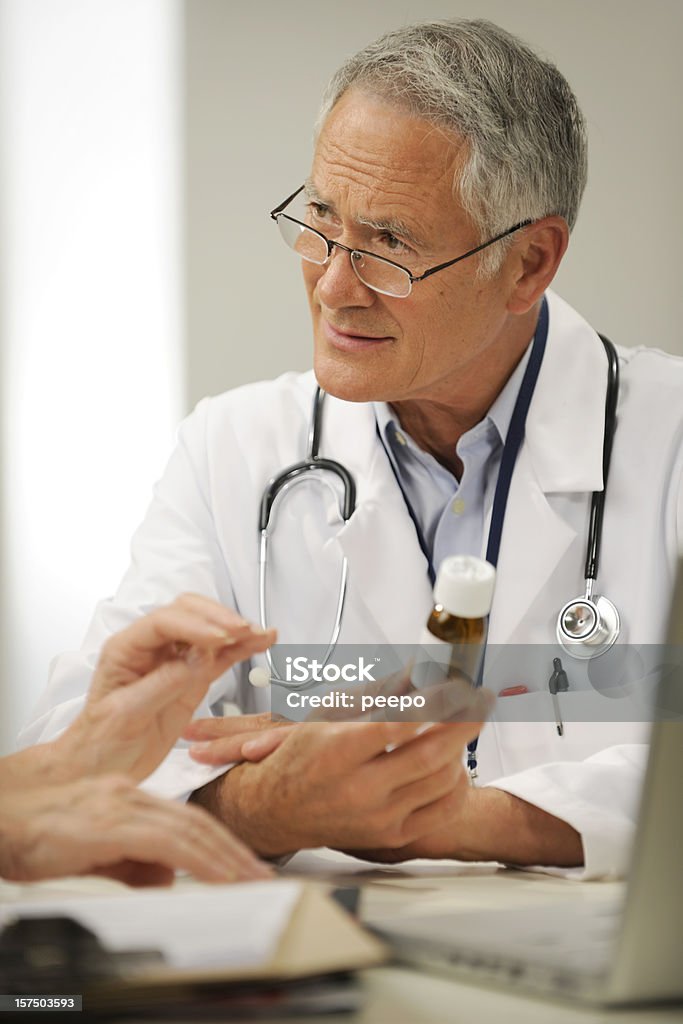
(204, 927)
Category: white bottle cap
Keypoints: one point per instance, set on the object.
(464, 586)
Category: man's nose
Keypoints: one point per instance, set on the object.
(339, 285)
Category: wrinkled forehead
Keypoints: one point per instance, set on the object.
(373, 156)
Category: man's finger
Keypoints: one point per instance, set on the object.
(390, 686)
(215, 728)
(224, 750)
(453, 700)
(265, 743)
(423, 756)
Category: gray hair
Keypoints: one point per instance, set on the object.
(525, 132)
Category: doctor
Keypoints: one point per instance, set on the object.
(432, 143)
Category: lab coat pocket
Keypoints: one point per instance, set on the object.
(532, 728)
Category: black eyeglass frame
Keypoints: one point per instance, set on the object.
(354, 253)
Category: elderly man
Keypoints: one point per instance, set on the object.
(448, 170)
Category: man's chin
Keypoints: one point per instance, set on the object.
(347, 384)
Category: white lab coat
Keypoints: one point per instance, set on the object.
(200, 534)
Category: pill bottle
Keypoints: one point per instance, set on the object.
(455, 632)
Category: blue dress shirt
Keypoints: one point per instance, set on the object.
(450, 515)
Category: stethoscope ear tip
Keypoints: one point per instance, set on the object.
(259, 677)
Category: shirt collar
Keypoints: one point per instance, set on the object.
(499, 414)
(503, 406)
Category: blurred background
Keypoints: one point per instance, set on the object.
(142, 144)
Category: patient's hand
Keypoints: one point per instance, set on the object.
(107, 826)
(148, 682)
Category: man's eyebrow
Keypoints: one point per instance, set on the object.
(311, 192)
(394, 227)
(391, 226)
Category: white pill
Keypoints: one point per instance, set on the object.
(259, 676)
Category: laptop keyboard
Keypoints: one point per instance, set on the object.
(549, 945)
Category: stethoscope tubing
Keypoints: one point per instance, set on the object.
(278, 485)
(598, 499)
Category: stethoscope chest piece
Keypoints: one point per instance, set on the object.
(587, 626)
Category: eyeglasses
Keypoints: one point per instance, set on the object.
(376, 272)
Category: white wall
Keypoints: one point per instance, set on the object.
(254, 76)
(90, 328)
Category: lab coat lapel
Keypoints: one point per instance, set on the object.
(561, 453)
(389, 587)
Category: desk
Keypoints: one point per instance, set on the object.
(396, 995)
(401, 996)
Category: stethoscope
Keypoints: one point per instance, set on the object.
(278, 486)
(587, 626)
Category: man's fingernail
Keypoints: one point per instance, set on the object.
(424, 728)
(199, 748)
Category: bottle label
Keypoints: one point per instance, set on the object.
(437, 660)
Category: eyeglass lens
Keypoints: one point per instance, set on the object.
(374, 272)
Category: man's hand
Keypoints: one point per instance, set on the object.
(219, 741)
(108, 826)
(252, 737)
(349, 785)
(148, 682)
(492, 825)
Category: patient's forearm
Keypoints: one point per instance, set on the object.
(44, 764)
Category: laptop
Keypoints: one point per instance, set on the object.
(603, 953)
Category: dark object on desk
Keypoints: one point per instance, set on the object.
(348, 897)
(59, 955)
(52, 954)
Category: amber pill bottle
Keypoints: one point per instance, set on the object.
(463, 594)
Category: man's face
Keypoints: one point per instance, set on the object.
(383, 182)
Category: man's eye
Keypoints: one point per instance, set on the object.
(395, 245)
(318, 210)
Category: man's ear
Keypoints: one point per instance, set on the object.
(535, 261)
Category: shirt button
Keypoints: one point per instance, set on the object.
(458, 507)
(400, 437)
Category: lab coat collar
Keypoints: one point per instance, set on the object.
(566, 422)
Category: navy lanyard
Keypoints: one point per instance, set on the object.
(513, 442)
(515, 435)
